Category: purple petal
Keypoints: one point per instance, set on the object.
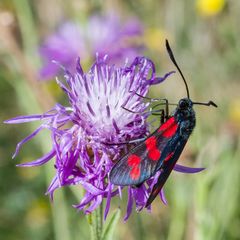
(63, 87)
(52, 187)
(184, 169)
(79, 67)
(19, 145)
(90, 188)
(129, 205)
(86, 200)
(109, 196)
(140, 196)
(39, 161)
(162, 196)
(120, 191)
(158, 80)
(94, 205)
(30, 118)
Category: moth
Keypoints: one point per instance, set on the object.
(160, 150)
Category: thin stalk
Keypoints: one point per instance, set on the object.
(95, 220)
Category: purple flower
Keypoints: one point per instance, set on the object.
(96, 115)
(64, 47)
(104, 35)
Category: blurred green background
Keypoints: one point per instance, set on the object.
(205, 36)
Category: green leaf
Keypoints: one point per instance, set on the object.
(110, 227)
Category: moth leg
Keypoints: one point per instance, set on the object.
(131, 111)
(162, 118)
(124, 143)
(161, 114)
(166, 113)
(167, 110)
(150, 99)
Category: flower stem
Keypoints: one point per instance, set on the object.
(95, 220)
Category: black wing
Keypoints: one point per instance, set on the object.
(172, 154)
(142, 162)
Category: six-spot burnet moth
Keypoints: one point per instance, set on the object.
(161, 150)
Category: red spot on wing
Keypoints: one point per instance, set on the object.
(169, 156)
(154, 154)
(135, 173)
(151, 143)
(167, 124)
(168, 128)
(171, 131)
(134, 160)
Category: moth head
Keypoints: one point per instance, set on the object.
(185, 104)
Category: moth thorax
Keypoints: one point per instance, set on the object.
(185, 116)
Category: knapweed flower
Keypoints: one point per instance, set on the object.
(104, 35)
(105, 106)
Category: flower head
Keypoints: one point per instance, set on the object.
(97, 114)
(105, 35)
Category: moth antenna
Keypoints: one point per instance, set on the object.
(210, 103)
(170, 53)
